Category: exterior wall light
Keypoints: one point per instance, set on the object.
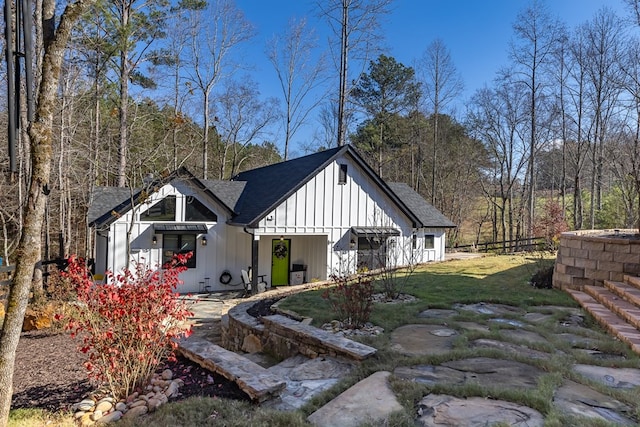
(154, 240)
(203, 242)
(352, 244)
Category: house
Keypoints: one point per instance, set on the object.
(294, 221)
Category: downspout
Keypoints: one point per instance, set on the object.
(255, 240)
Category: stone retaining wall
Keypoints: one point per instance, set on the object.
(589, 257)
(284, 337)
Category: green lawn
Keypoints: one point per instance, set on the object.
(500, 279)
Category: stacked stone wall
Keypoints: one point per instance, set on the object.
(589, 257)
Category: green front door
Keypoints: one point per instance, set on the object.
(280, 261)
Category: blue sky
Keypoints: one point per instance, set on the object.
(477, 32)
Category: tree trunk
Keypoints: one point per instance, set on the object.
(29, 248)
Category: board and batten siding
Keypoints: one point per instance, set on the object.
(227, 249)
(325, 210)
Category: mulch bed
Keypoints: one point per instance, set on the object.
(49, 374)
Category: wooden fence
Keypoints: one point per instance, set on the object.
(522, 244)
(8, 270)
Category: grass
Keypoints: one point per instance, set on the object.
(492, 279)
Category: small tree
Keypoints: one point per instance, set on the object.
(551, 223)
(351, 299)
(128, 325)
(397, 263)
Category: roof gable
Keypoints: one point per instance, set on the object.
(268, 186)
(109, 203)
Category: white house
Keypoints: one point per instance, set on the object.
(294, 221)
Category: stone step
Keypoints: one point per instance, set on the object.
(624, 291)
(314, 340)
(252, 378)
(617, 326)
(632, 280)
(623, 309)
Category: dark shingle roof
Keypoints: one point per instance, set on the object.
(228, 192)
(268, 186)
(252, 194)
(428, 215)
(104, 200)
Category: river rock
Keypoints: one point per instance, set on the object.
(104, 406)
(96, 415)
(167, 374)
(84, 405)
(121, 406)
(136, 411)
(110, 418)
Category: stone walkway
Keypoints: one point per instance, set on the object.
(501, 328)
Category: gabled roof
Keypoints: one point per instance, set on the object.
(429, 216)
(252, 194)
(269, 186)
(109, 203)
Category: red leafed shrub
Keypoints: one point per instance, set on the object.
(128, 325)
(551, 223)
(350, 299)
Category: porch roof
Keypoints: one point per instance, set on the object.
(375, 231)
(184, 228)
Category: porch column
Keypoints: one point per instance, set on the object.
(254, 264)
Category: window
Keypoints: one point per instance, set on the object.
(429, 241)
(196, 211)
(173, 244)
(342, 174)
(164, 210)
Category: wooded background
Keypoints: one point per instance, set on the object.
(149, 86)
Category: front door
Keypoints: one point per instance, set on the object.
(280, 261)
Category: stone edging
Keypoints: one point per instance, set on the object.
(284, 337)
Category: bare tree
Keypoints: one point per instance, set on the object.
(537, 35)
(603, 38)
(242, 120)
(213, 33)
(299, 74)
(355, 24)
(442, 84)
(30, 246)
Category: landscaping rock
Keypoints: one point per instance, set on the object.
(359, 404)
(487, 372)
(612, 377)
(437, 313)
(442, 410)
(416, 340)
(111, 417)
(509, 348)
(526, 336)
(578, 399)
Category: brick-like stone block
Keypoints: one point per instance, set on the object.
(627, 258)
(610, 266)
(631, 268)
(614, 247)
(573, 243)
(583, 281)
(599, 275)
(574, 271)
(616, 276)
(564, 251)
(579, 253)
(634, 248)
(593, 246)
(586, 263)
(562, 278)
(601, 256)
